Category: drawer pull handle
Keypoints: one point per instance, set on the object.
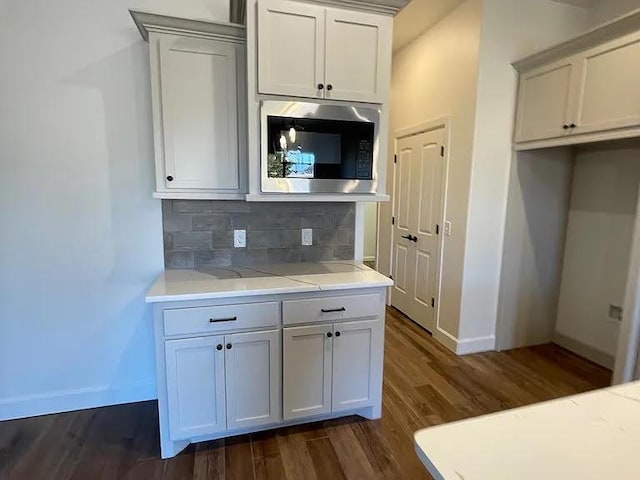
(216, 320)
(333, 310)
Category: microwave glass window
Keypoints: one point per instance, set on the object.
(318, 148)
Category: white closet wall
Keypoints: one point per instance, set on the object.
(600, 226)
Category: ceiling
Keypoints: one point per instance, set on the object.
(417, 17)
(421, 15)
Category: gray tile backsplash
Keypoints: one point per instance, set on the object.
(199, 233)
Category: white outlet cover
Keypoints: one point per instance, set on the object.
(239, 238)
(307, 236)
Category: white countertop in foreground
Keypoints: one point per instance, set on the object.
(594, 435)
(203, 284)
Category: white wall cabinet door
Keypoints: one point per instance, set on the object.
(610, 87)
(253, 378)
(546, 102)
(307, 370)
(358, 56)
(356, 375)
(290, 48)
(198, 82)
(195, 386)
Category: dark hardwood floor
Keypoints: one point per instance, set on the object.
(424, 384)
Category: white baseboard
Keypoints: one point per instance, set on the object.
(369, 258)
(603, 359)
(68, 400)
(465, 346)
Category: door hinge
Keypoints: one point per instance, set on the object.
(437, 229)
(395, 159)
(433, 302)
(393, 220)
(442, 150)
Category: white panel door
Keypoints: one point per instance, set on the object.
(419, 191)
(290, 48)
(195, 386)
(253, 375)
(610, 89)
(358, 56)
(356, 346)
(307, 370)
(545, 102)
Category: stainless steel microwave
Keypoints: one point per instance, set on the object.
(318, 148)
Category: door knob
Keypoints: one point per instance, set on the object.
(573, 125)
(170, 178)
(228, 346)
(219, 347)
(329, 87)
(411, 238)
(320, 86)
(566, 127)
(329, 334)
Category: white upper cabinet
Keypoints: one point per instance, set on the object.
(253, 370)
(584, 90)
(199, 113)
(195, 386)
(610, 87)
(198, 96)
(316, 52)
(358, 53)
(290, 45)
(544, 102)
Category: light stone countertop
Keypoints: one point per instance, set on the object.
(203, 284)
(594, 435)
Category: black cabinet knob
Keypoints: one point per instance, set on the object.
(228, 346)
(219, 347)
(320, 86)
(566, 127)
(573, 125)
(329, 87)
(170, 178)
(337, 334)
(329, 334)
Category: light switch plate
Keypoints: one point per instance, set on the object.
(239, 238)
(307, 236)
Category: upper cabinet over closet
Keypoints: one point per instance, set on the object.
(312, 51)
(584, 90)
(199, 106)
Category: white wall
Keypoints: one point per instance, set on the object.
(606, 10)
(370, 230)
(602, 216)
(81, 236)
(536, 222)
(505, 38)
(433, 77)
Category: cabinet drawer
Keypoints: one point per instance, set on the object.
(181, 321)
(331, 308)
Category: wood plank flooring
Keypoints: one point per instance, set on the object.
(424, 384)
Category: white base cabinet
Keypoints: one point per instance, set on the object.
(228, 368)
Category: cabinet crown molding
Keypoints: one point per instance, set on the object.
(390, 7)
(154, 22)
(619, 27)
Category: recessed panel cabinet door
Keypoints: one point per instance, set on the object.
(610, 89)
(199, 113)
(307, 370)
(253, 373)
(356, 373)
(290, 48)
(195, 386)
(358, 56)
(545, 102)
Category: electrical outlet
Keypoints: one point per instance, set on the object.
(239, 238)
(447, 228)
(307, 236)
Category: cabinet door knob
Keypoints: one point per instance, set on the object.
(337, 334)
(170, 178)
(329, 87)
(228, 346)
(320, 86)
(573, 125)
(219, 347)
(566, 127)
(329, 334)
